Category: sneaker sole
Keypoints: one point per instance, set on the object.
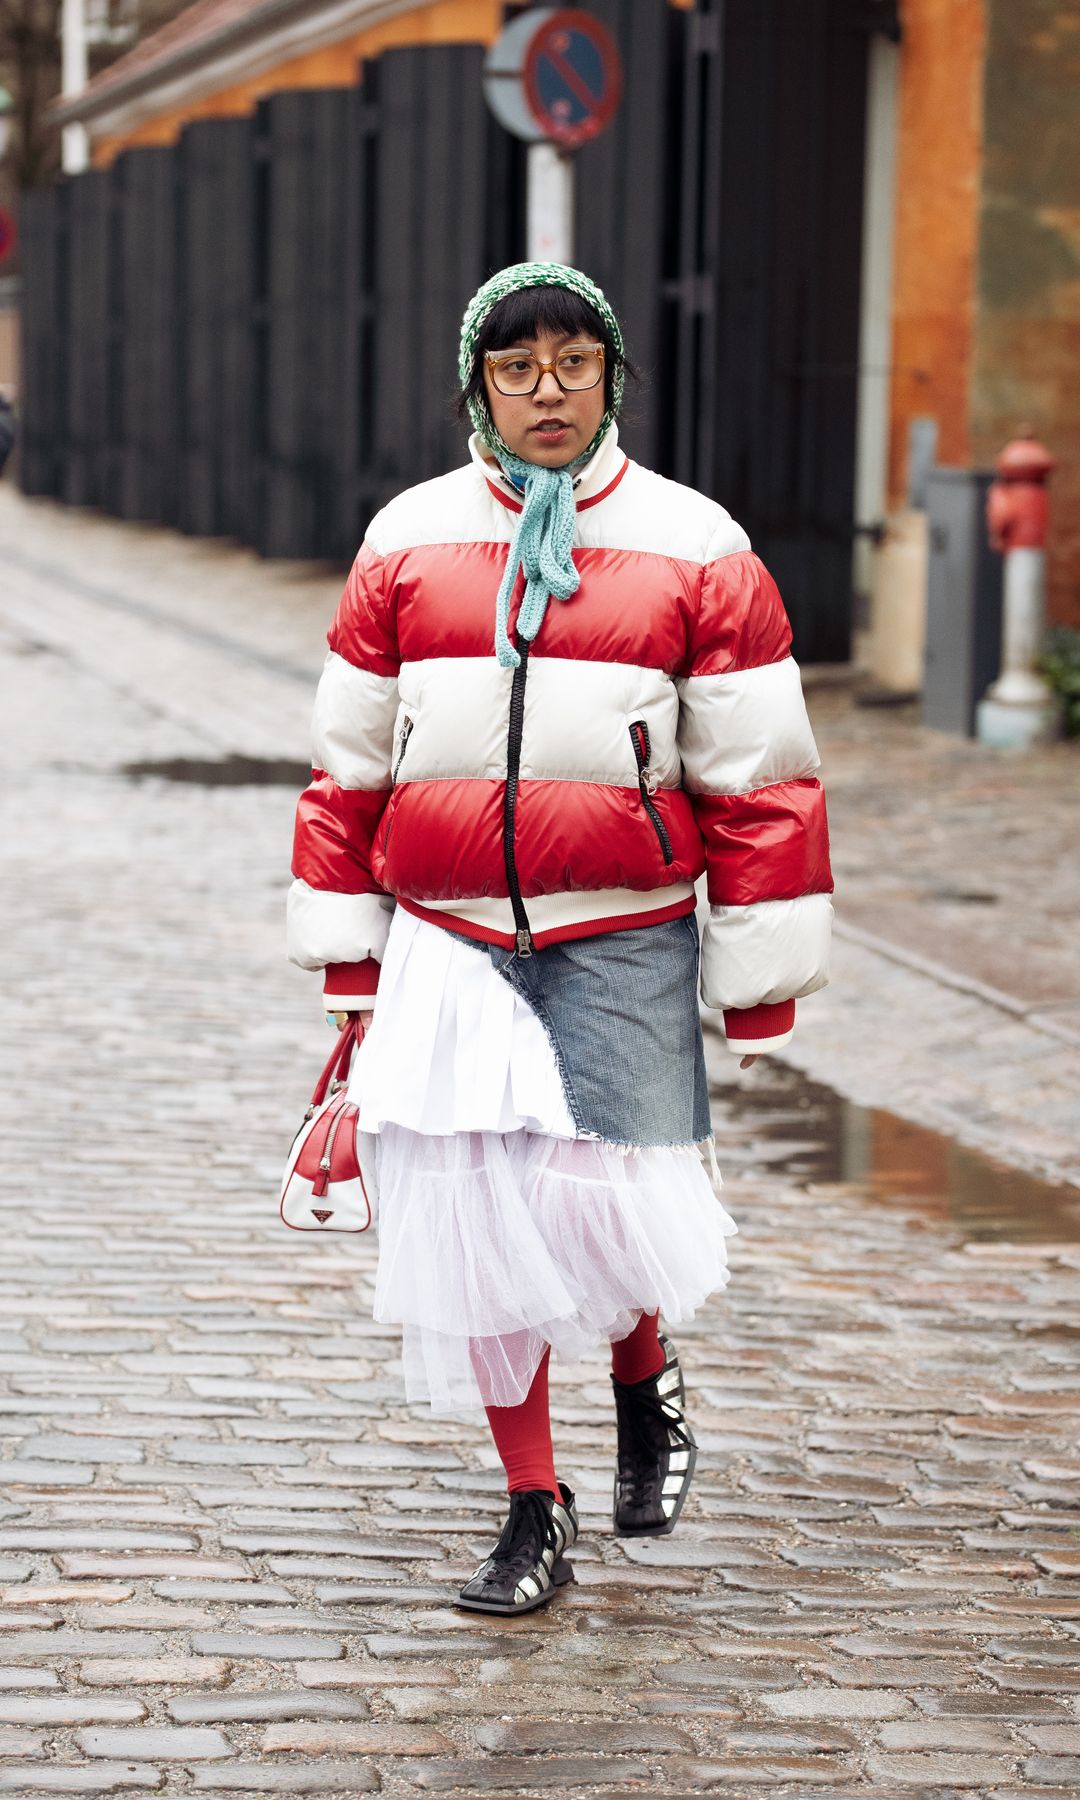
(664, 1530)
(561, 1576)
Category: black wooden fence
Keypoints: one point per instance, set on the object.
(254, 333)
(722, 213)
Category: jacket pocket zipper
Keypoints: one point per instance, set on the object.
(639, 737)
(403, 743)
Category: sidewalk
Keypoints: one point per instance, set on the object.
(956, 991)
(227, 1548)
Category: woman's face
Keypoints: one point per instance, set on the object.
(546, 426)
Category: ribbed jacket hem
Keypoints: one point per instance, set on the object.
(554, 934)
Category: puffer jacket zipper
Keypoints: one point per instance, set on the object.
(639, 737)
(403, 743)
(523, 931)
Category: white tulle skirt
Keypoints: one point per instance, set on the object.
(501, 1232)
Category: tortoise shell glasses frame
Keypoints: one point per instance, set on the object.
(498, 362)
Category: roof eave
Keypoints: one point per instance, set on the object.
(187, 59)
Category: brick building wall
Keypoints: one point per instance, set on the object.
(986, 293)
(1026, 350)
(937, 191)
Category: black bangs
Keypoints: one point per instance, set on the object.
(526, 314)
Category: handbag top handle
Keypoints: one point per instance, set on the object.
(339, 1060)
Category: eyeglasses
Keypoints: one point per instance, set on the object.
(517, 373)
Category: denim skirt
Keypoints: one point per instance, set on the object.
(621, 1013)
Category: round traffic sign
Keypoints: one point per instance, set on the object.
(573, 77)
(7, 233)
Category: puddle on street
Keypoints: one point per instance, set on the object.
(225, 771)
(788, 1124)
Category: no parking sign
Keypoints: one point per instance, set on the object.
(554, 75)
(573, 78)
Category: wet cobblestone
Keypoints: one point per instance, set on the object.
(226, 1547)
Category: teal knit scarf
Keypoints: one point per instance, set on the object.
(540, 547)
(542, 540)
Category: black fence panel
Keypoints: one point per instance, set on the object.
(431, 248)
(687, 359)
(794, 92)
(722, 213)
(92, 445)
(147, 368)
(504, 214)
(216, 256)
(623, 205)
(762, 324)
(305, 364)
(255, 333)
(43, 384)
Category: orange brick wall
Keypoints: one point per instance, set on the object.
(937, 219)
(986, 286)
(1027, 342)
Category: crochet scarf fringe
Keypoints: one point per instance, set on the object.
(540, 547)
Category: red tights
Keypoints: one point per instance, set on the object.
(522, 1433)
(638, 1356)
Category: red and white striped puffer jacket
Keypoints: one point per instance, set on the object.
(655, 730)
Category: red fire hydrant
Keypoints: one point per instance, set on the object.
(1020, 708)
(1018, 506)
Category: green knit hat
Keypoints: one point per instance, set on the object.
(513, 280)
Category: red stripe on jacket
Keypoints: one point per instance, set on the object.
(632, 606)
(443, 840)
(364, 630)
(333, 834)
(772, 844)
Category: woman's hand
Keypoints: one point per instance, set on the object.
(748, 1062)
(342, 1019)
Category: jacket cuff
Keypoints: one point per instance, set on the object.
(350, 987)
(755, 1030)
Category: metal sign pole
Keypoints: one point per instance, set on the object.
(553, 77)
(549, 232)
(75, 145)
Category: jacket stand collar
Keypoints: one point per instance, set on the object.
(602, 472)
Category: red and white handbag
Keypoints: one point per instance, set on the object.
(325, 1188)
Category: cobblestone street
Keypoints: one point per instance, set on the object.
(228, 1550)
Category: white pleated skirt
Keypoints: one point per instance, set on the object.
(503, 1233)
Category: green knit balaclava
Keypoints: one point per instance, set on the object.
(545, 530)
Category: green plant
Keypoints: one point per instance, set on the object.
(1060, 663)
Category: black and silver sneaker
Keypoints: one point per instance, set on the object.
(528, 1562)
(657, 1451)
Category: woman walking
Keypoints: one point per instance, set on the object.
(559, 689)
